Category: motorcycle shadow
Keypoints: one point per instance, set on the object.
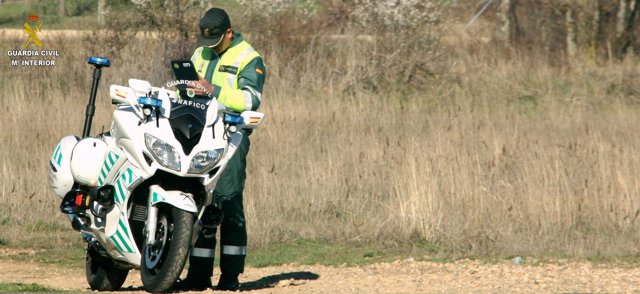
(279, 280)
(272, 281)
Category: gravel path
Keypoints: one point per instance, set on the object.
(406, 276)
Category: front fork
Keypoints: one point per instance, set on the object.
(152, 222)
(208, 218)
(158, 195)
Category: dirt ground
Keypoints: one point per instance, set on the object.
(407, 276)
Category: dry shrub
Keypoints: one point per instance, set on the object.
(394, 48)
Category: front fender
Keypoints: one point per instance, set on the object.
(178, 199)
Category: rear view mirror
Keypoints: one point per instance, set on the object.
(120, 94)
(142, 88)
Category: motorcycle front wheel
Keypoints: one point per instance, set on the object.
(162, 262)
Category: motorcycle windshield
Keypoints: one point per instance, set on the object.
(187, 120)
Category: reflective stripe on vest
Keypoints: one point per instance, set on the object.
(237, 56)
(200, 62)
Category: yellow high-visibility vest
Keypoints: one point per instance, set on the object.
(225, 73)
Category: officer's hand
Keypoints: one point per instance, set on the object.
(202, 87)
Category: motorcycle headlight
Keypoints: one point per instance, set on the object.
(163, 152)
(205, 160)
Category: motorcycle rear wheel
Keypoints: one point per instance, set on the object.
(102, 274)
(163, 261)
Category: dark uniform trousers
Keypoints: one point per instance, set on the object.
(233, 230)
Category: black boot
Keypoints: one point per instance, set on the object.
(193, 283)
(228, 282)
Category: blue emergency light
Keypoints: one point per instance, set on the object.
(233, 119)
(99, 61)
(148, 101)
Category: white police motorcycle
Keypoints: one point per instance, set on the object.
(141, 194)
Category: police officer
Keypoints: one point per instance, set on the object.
(233, 72)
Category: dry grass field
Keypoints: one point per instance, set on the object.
(485, 156)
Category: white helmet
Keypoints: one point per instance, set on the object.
(86, 161)
(60, 178)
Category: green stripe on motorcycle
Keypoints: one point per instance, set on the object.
(112, 160)
(124, 241)
(58, 150)
(128, 176)
(119, 192)
(123, 227)
(103, 175)
(109, 162)
(60, 158)
(123, 177)
(55, 153)
(115, 241)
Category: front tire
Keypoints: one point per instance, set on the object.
(163, 261)
(102, 273)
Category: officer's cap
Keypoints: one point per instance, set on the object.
(213, 25)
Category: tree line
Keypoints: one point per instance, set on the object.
(594, 30)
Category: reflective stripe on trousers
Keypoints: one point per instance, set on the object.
(203, 252)
(234, 250)
(226, 249)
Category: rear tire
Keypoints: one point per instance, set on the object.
(102, 273)
(163, 261)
